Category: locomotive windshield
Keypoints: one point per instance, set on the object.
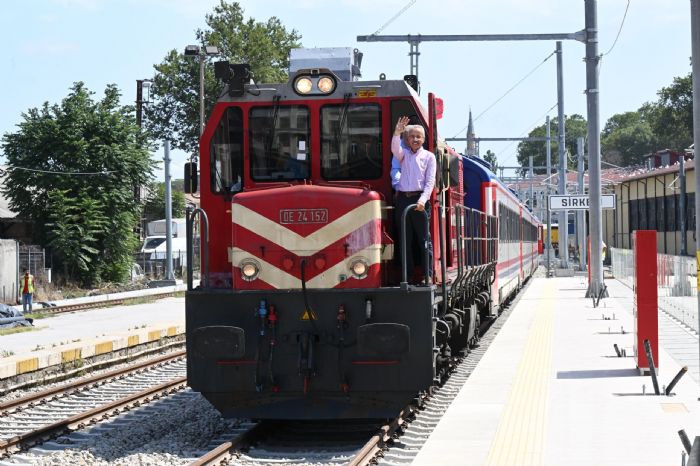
(227, 153)
(279, 142)
(351, 136)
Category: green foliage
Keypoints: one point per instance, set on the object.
(626, 138)
(575, 127)
(76, 223)
(154, 209)
(490, 157)
(664, 124)
(73, 171)
(671, 116)
(265, 46)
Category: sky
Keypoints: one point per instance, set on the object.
(50, 44)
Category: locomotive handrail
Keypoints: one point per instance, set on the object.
(404, 270)
(190, 214)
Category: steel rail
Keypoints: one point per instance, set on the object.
(17, 404)
(227, 450)
(81, 420)
(96, 304)
(376, 444)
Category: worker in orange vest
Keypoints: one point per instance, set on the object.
(27, 286)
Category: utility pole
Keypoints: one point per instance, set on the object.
(681, 177)
(596, 287)
(168, 215)
(532, 191)
(547, 184)
(563, 215)
(695, 35)
(581, 214)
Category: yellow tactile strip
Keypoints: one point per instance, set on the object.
(519, 440)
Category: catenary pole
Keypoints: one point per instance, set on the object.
(581, 214)
(563, 215)
(168, 215)
(532, 187)
(596, 287)
(695, 35)
(547, 184)
(201, 92)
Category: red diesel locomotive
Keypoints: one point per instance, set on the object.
(304, 312)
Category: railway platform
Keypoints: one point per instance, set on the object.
(551, 390)
(70, 339)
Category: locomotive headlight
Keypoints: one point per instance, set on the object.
(359, 268)
(303, 85)
(325, 84)
(249, 269)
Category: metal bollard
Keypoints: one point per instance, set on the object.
(652, 367)
(676, 379)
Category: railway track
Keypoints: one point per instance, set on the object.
(58, 309)
(31, 420)
(170, 439)
(396, 442)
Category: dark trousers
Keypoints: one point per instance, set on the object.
(417, 235)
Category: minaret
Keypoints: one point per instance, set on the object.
(471, 143)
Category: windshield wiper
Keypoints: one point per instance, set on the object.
(275, 117)
(343, 119)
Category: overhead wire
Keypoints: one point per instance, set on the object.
(622, 23)
(106, 172)
(508, 91)
(530, 127)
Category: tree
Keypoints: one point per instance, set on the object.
(154, 208)
(490, 157)
(72, 170)
(575, 127)
(265, 46)
(626, 138)
(671, 116)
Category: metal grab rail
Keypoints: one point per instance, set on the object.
(190, 215)
(404, 270)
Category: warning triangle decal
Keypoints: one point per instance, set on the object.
(308, 315)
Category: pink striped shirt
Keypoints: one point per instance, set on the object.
(417, 169)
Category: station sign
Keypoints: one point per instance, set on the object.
(575, 202)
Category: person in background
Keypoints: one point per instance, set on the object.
(27, 286)
(414, 186)
(395, 172)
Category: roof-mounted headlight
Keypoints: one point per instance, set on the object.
(314, 84)
(303, 85)
(326, 84)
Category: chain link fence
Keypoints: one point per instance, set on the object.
(676, 283)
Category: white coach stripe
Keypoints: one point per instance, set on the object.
(279, 279)
(316, 241)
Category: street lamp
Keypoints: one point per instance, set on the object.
(143, 86)
(201, 52)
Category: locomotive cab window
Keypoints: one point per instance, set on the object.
(279, 143)
(351, 141)
(226, 153)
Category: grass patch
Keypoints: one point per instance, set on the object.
(39, 315)
(10, 331)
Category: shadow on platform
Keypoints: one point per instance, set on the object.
(598, 374)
